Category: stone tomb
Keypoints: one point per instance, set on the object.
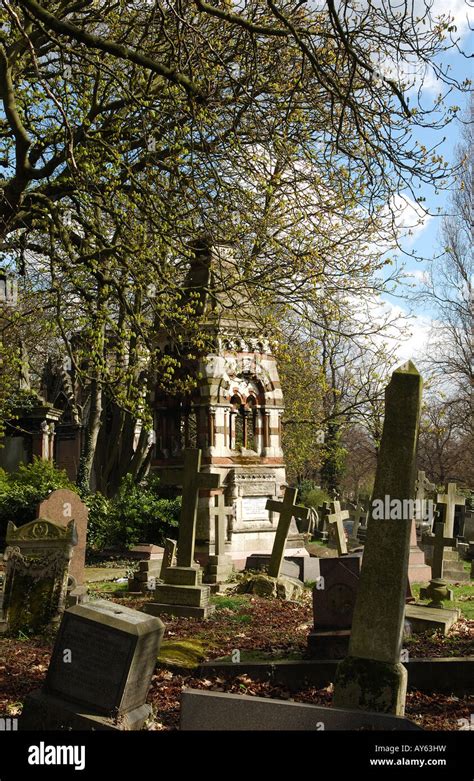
(37, 558)
(333, 606)
(100, 671)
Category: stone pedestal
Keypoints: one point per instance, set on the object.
(418, 570)
(182, 594)
(453, 568)
(219, 568)
(369, 684)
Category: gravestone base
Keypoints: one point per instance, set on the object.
(149, 571)
(219, 568)
(370, 685)
(453, 568)
(185, 597)
(424, 618)
(43, 711)
(181, 611)
(182, 576)
(333, 644)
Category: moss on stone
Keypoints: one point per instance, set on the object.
(368, 684)
(187, 654)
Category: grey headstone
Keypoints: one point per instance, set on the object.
(102, 663)
(207, 711)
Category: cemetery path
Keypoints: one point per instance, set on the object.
(259, 628)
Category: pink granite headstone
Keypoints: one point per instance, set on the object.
(62, 506)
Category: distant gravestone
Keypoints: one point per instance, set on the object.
(61, 507)
(372, 677)
(451, 499)
(336, 526)
(287, 509)
(359, 518)
(219, 566)
(37, 558)
(183, 592)
(100, 671)
(334, 598)
(321, 530)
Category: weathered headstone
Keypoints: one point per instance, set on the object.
(336, 525)
(437, 590)
(321, 531)
(219, 566)
(287, 509)
(452, 565)
(450, 499)
(183, 592)
(422, 487)
(333, 606)
(62, 506)
(37, 558)
(209, 711)
(372, 677)
(168, 555)
(359, 518)
(100, 671)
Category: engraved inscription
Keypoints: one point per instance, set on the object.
(100, 660)
(254, 508)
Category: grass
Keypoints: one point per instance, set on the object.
(234, 602)
(463, 598)
(109, 586)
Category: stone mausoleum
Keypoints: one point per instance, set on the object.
(234, 413)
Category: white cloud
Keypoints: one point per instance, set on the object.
(409, 218)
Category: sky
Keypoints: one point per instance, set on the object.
(425, 239)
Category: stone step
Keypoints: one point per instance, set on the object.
(450, 555)
(421, 618)
(419, 573)
(416, 557)
(455, 575)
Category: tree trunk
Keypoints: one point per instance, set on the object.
(84, 474)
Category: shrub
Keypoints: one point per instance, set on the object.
(23, 490)
(136, 514)
(312, 495)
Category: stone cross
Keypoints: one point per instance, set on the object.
(372, 677)
(220, 513)
(439, 544)
(192, 480)
(323, 511)
(336, 519)
(359, 512)
(286, 509)
(422, 486)
(450, 499)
